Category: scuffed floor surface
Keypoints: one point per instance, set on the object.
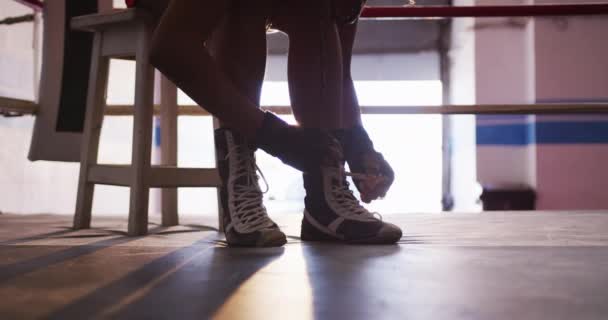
(448, 266)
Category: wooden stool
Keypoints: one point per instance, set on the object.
(127, 34)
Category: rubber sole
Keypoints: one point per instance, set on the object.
(267, 240)
(309, 233)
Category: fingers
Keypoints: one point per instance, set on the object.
(374, 188)
(377, 180)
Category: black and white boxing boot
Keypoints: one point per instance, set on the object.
(333, 213)
(246, 222)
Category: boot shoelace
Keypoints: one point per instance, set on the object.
(349, 206)
(249, 212)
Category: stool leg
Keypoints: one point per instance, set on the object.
(98, 80)
(220, 210)
(142, 137)
(168, 147)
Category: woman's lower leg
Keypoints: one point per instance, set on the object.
(314, 63)
(179, 52)
(351, 111)
(239, 47)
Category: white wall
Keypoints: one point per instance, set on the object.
(17, 54)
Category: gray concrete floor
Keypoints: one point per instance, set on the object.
(447, 266)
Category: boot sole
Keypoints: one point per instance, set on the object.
(271, 240)
(376, 240)
(276, 240)
(312, 234)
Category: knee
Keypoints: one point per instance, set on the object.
(304, 22)
(308, 13)
(166, 47)
(318, 10)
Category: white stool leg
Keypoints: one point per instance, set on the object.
(98, 80)
(142, 136)
(168, 147)
(220, 210)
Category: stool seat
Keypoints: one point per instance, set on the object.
(127, 34)
(101, 21)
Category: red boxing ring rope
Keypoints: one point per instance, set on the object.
(37, 5)
(452, 11)
(410, 12)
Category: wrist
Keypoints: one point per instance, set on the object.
(355, 141)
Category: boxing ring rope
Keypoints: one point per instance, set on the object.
(413, 12)
(15, 107)
(37, 5)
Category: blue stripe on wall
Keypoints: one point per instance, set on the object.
(157, 133)
(505, 134)
(571, 132)
(502, 117)
(543, 133)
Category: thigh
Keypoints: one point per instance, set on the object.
(157, 7)
(242, 32)
(184, 20)
(244, 18)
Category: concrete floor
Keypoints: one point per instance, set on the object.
(448, 266)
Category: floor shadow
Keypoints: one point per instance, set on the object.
(83, 236)
(64, 230)
(195, 228)
(13, 270)
(342, 277)
(108, 232)
(188, 283)
(202, 227)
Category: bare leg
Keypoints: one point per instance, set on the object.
(351, 113)
(315, 62)
(239, 47)
(178, 51)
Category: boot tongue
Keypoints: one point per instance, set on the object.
(334, 158)
(247, 176)
(340, 182)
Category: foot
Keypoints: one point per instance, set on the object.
(246, 222)
(333, 213)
